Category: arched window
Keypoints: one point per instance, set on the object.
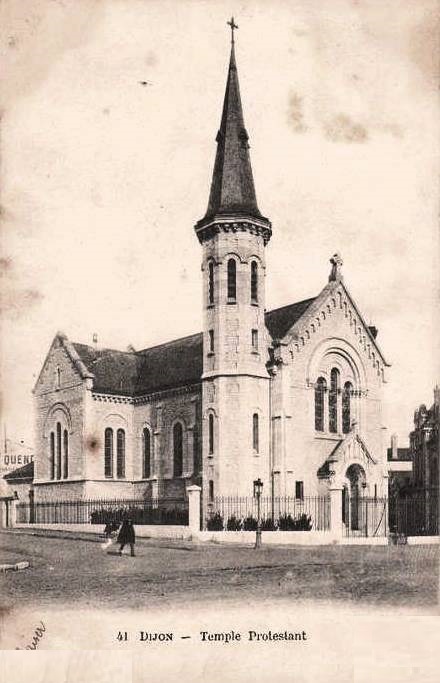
(254, 282)
(52, 455)
(108, 452)
(232, 280)
(58, 450)
(255, 434)
(146, 455)
(333, 401)
(120, 454)
(211, 434)
(346, 407)
(178, 449)
(320, 389)
(211, 283)
(66, 454)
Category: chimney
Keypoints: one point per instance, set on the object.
(394, 447)
(374, 331)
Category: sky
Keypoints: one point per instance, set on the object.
(103, 177)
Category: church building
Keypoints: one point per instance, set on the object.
(292, 396)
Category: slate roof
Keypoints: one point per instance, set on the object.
(280, 320)
(161, 367)
(232, 187)
(21, 473)
(166, 366)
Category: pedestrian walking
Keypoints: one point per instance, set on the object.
(126, 536)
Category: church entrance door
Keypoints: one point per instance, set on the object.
(357, 482)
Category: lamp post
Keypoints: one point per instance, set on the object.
(258, 487)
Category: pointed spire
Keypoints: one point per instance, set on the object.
(232, 189)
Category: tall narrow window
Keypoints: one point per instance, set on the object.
(255, 434)
(211, 283)
(120, 454)
(52, 455)
(320, 389)
(333, 401)
(178, 449)
(346, 407)
(66, 454)
(146, 459)
(211, 341)
(108, 452)
(299, 490)
(232, 280)
(254, 282)
(58, 450)
(211, 491)
(211, 434)
(254, 340)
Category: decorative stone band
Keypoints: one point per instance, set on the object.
(254, 226)
(146, 398)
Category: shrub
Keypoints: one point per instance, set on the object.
(234, 524)
(215, 522)
(301, 523)
(268, 524)
(250, 523)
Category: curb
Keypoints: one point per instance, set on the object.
(18, 566)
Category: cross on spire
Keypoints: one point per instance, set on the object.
(233, 26)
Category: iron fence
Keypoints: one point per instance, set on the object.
(365, 516)
(102, 511)
(234, 513)
(416, 513)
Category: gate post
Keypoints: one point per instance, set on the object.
(194, 507)
(336, 525)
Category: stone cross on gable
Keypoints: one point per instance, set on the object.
(337, 262)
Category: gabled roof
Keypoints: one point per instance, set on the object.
(280, 320)
(127, 373)
(25, 472)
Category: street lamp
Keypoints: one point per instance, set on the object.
(258, 488)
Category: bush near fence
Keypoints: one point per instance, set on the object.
(284, 523)
(239, 513)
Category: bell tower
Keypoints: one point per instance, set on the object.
(233, 235)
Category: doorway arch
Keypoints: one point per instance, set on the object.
(356, 478)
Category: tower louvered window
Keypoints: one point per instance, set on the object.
(254, 282)
(211, 283)
(232, 280)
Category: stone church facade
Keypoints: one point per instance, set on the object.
(292, 396)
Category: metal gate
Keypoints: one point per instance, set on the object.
(365, 516)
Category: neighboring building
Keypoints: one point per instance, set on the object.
(20, 482)
(424, 444)
(14, 454)
(292, 396)
(400, 467)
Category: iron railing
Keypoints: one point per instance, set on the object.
(415, 513)
(102, 511)
(365, 516)
(233, 513)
